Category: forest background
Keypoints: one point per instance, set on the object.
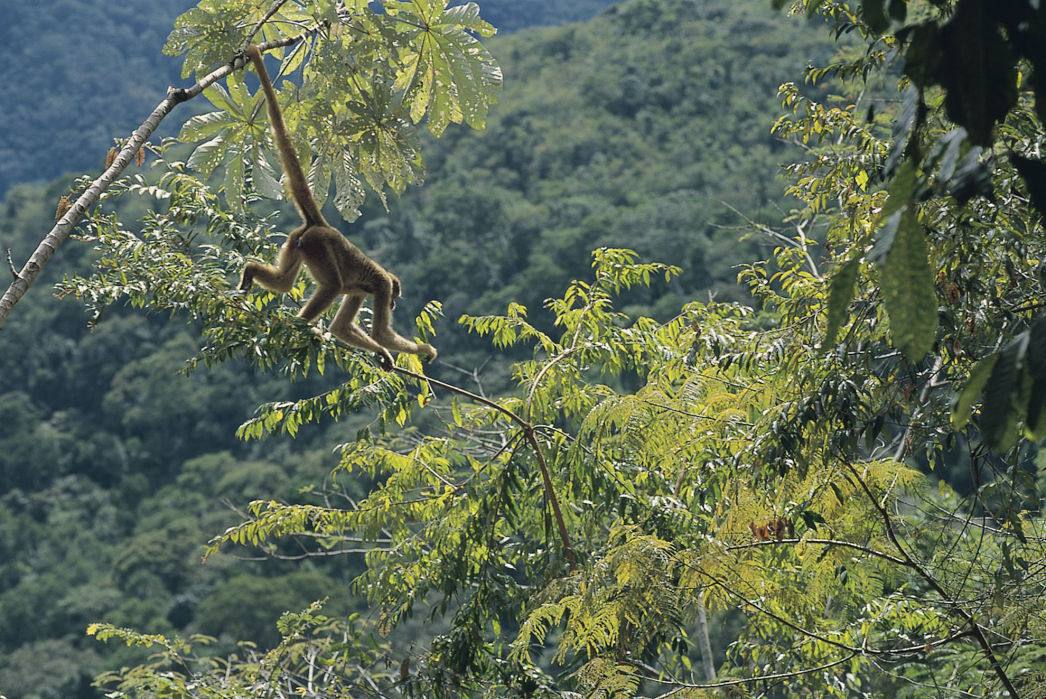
(647, 127)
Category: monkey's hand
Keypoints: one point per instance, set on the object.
(429, 351)
(246, 280)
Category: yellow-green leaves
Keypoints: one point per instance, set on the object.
(208, 34)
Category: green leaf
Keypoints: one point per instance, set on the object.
(203, 126)
(979, 376)
(450, 76)
(348, 189)
(234, 177)
(841, 292)
(907, 121)
(902, 189)
(972, 178)
(266, 181)
(1033, 172)
(208, 34)
(899, 10)
(908, 291)
(208, 155)
(1036, 407)
(950, 145)
(979, 73)
(923, 54)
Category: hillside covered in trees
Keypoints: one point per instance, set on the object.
(72, 98)
(695, 427)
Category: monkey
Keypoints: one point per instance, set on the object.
(777, 528)
(335, 264)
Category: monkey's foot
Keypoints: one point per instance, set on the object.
(385, 360)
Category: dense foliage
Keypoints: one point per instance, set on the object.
(107, 447)
(843, 475)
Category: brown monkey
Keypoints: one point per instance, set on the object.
(336, 265)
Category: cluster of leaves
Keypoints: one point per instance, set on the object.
(117, 467)
(973, 73)
(377, 73)
(317, 655)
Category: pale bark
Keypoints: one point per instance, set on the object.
(46, 249)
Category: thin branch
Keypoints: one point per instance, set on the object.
(528, 430)
(751, 680)
(860, 650)
(64, 227)
(261, 22)
(910, 562)
(825, 542)
(802, 246)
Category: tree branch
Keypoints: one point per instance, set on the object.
(911, 563)
(529, 434)
(825, 542)
(750, 680)
(25, 277)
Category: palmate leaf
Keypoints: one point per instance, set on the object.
(907, 286)
(447, 74)
(204, 126)
(208, 155)
(348, 189)
(208, 34)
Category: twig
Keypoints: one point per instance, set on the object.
(770, 232)
(823, 542)
(261, 22)
(11, 265)
(750, 680)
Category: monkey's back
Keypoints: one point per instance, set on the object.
(321, 246)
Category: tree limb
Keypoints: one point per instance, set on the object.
(912, 563)
(25, 277)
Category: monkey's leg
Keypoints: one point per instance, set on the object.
(345, 328)
(381, 329)
(320, 301)
(279, 278)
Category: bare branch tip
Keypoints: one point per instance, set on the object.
(11, 266)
